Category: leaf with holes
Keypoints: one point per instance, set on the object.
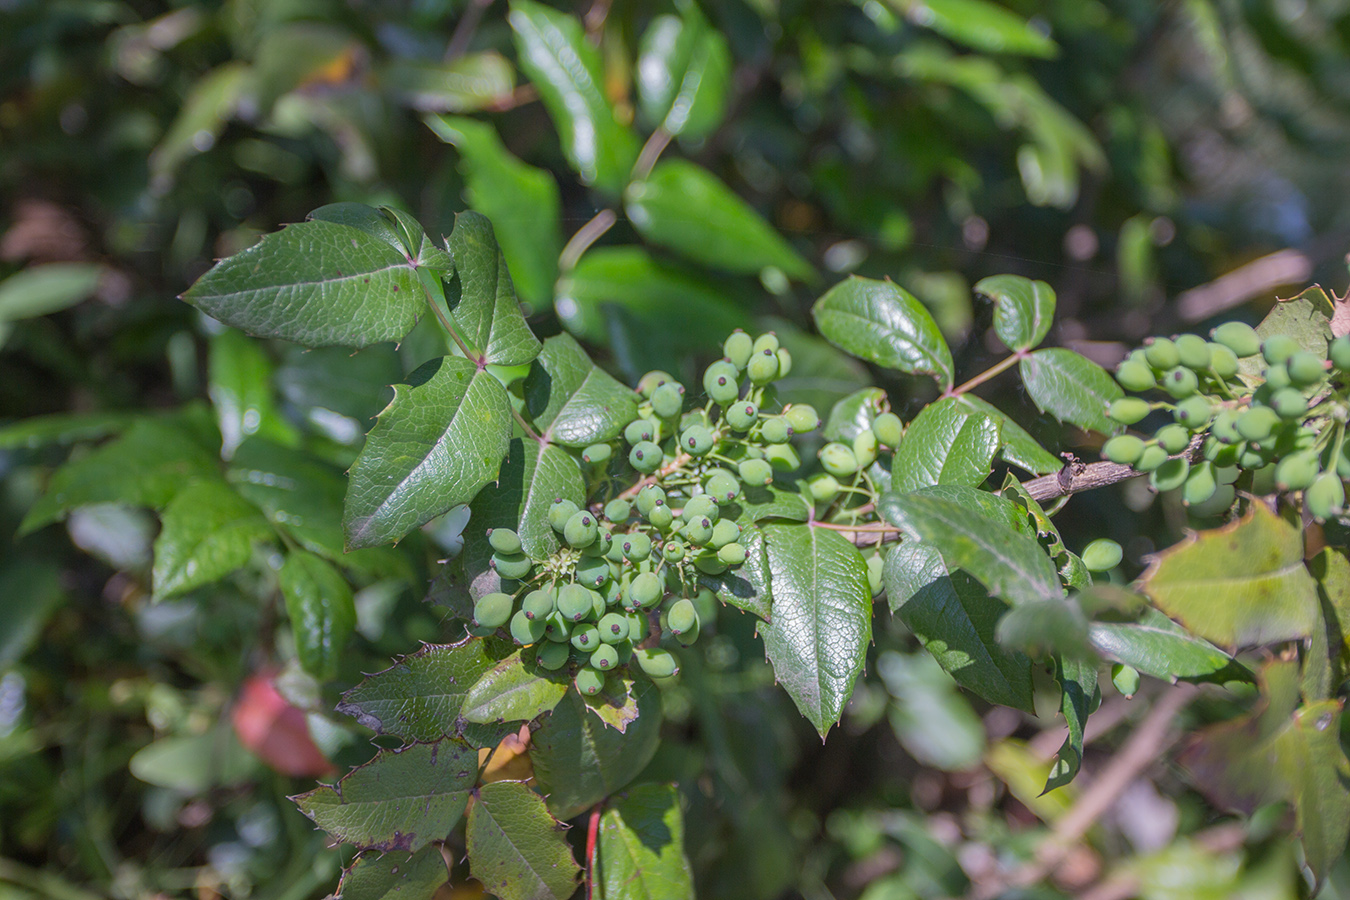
(517, 851)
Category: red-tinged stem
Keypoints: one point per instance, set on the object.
(878, 529)
(592, 839)
(586, 235)
(675, 466)
(987, 374)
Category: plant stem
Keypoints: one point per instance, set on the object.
(527, 427)
(592, 840)
(675, 466)
(651, 152)
(450, 328)
(987, 374)
(873, 529)
(586, 235)
(464, 30)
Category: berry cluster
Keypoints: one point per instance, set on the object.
(626, 575)
(1282, 420)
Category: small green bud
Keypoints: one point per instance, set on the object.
(557, 628)
(1193, 412)
(1305, 369)
(1339, 351)
(1278, 348)
(1289, 403)
(824, 487)
(724, 532)
(1173, 438)
(682, 616)
(767, 342)
(1180, 382)
(1135, 375)
(876, 570)
(644, 590)
(673, 551)
(660, 517)
(1297, 471)
(1223, 362)
(648, 383)
(782, 457)
(645, 457)
(637, 546)
(585, 637)
(784, 362)
(1193, 351)
(700, 506)
(699, 531)
(1257, 423)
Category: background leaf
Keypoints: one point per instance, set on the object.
(207, 531)
(39, 290)
(517, 851)
(467, 83)
(822, 618)
(239, 381)
(640, 851)
(1072, 388)
(321, 609)
(572, 400)
(980, 25)
(1078, 679)
(882, 323)
(1157, 646)
(485, 307)
(683, 70)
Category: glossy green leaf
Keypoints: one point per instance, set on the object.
(568, 72)
(316, 283)
(321, 609)
(533, 476)
(982, 504)
(1017, 446)
(685, 208)
(640, 847)
(517, 851)
(854, 414)
(49, 288)
(393, 226)
(61, 428)
(746, 586)
(33, 593)
(440, 440)
(683, 71)
(482, 298)
(579, 760)
(394, 876)
(955, 619)
(1322, 786)
(822, 618)
(207, 532)
(945, 444)
(1241, 585)
(980, 25)
(513, 690)
(146, 466)
(420, 698)
(772, 501)
(521, 201)
(1012, 566)
(932, 721)
(1078, 680)
(1157, 646)
(1024, 309)
(239, 380)
(1072, 388)
(467, 83)
(401, 800)
(572, 400)
(1048, 627)
(882, 323)
(302, 497)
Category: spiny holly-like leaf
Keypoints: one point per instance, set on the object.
(1010, 565)
(640, 851)
(482, 298)
(955, 619)
(822, 618)
(1023, 309)
(521, 201)
(394, 876)
(394, 227)
(207, 532)
(420, 698)
(574, 401)
(1157, 646)
(1322, 785)
(683, 69)
(320, 606)
(686, 208)
(882, 323)
(568, 72)
(1306, 318)
(579, 760)
(401, 800)
(440, 440)
(316, 283)
(746, 586)
(514, 689)
(1072, 388)
(146, 466)
(517, 851)
(617, 704)
(1241, 585)
(945, 444)
(533, 476)
(1017, 447)
(1078, 679)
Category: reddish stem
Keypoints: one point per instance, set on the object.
(592, 838)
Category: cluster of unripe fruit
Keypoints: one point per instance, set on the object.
(1282, 420)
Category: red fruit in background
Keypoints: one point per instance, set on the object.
(275, 730)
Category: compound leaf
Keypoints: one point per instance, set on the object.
(486, 309)
(394, 876)
(517, 851)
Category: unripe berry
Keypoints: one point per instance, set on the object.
(617, 511)
(1194, 351)
(1173, 438)
(698, 531)
(586, 638)
(700, 506)
(755, 472)
(889, 429)
(1126, 410)
(511, 565)
(762, 368)
(1278, 348)
(722, 486)
(1134, 375)
(648, 383)
(660, 517)
(1126, 680)
(1257, 423)
(596, 454)
(1223, 362)
(782, 457)
(589, 682)
(682, 616)
(640, 430)
(1305, 369)
(604, 658)
(644, 590)
(1161, 353)
(557, 628)
(724, 532)
(673, 551)
(525, 630)
(1123, 449)
(1297, 471)
(1277, 376)
(838, 460)
(775, 430)
(719, 382)
(574, 602)
(1339, 351)
(645, 457)
(668, 399)
(581, 529)
(737, 348)
(709, 564)
(865, 448)
(656, 662)
(552, 656)
(1239, 337)
(650, 497)
(559, 513)
(876, 568)
(592, 571)
(1150, 459)
(613, 627)
(1200, 485)
(732, 554)
(503, 540)
(1102, 555)
(492, 610)
(697, 440)
(539, 604)
(802, 417)
(742, 416)
(1180, 382)
(784, 362)
(765, 343)
(1171, 474)
(1225, 427)
(1289, 403)
(1325, 497)
(1193, 412)
(824, 487)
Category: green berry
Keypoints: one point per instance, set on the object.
(775, 430)
(1180, 382)
(650, 497)
(1193, 412)
(1325, 497)
(742, 416)
(668, 399)
(719, 382)
(557, 628)
(1239, 337)
(767, 342)
(656, 662)
(648, 383)
(724, 532)
(1223, 362)
(673, 551)
(889, 429)
(838, 460)
(782, 457)
(865, 448)
(1135, 375)
(525, 630)
(503, 540)
(592, 571)
(1161, 353)
(613, 627)
(1339, 351)
(723, 486)
(618, 510)
(737, 348)
(755, 472)
(1124, 449)
(1171, 474)
(1200, 484)
(824, 487)
(1225, 426)
(637, 546)
(585, 638)
(492, 610)
(683, 616)
(1173, 438)
(539, 604)
(660, 517)
(876, 569)
(574, 602)
(640, 430)
(596, 454)
(1278, 348)
(644, 590)
(1125, 679)
(762, 368)
(697, 440)
(1277, 376)
(1289, 403)
(1297, 471)
(560, 512)
(512, 565)
(802, 417)
(700, 506)
(604, 658)
(1150, 459)
(581, 529)
(552, 656)
(1305, 369)
(709, 564)
(1126, 410)
(1193, 351)
(698, 531)
(1257, 423)
(589, 682)
(732, 554)
(645, 457)
(1102, 555)
(784, 362)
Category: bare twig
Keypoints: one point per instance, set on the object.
(1077, 476)
(465, 28)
